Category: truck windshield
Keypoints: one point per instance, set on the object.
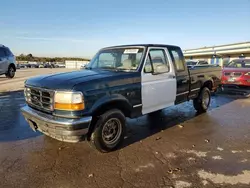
(239, 63)
(117, 59)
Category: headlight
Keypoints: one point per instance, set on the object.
(68, 101)
(27, 94)
(247, 74)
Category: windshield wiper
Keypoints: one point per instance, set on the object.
(116, 69)
(109, 68)
(122, 69)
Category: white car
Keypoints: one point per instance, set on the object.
(7, 62)
(196, 62)
(83, 66)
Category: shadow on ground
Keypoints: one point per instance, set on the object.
(148, 125)
(12, 123)
(13, 126)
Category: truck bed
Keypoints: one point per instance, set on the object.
(205, 69)
(201, 74)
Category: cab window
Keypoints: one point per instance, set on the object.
(177, 56)
(156, 62)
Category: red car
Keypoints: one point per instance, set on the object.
(237, 73)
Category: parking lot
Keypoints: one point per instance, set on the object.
(177, 148)
(22, 74)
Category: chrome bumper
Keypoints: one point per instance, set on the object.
(63, 129)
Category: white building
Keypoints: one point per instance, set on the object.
(71, 64)
(221, 54)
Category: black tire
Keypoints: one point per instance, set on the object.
(98, 137)
(202, 102)
(11, 72)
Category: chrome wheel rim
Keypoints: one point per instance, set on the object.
(111, 131)
(206, 99)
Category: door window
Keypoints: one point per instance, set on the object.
(156, 62)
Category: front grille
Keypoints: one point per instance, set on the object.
(41, 99)
(235, 74)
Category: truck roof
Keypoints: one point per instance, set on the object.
(144, 45)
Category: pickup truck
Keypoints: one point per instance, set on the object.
(119, 82)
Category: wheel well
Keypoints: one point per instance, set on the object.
(209, 85)
(12, 65)
(120, 105)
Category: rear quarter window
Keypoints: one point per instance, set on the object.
(177, 57)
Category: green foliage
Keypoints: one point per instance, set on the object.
(30, 57)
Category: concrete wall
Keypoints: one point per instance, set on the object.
(219, 54)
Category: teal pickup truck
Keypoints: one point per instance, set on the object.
(119, 82)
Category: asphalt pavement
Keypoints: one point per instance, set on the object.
(175, 148)
(17, 82)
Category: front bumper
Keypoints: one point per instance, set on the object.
(63, 129)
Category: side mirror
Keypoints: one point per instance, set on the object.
(159, 69)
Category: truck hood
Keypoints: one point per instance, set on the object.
(67, 80)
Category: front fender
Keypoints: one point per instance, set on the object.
(111, 99)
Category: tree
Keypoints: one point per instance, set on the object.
(30, 57)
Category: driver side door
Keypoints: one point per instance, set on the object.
(158, 81)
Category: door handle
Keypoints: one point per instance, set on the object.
(184, 81)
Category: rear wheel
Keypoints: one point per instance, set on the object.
(109, 131)
(202, 102)
(11, 72)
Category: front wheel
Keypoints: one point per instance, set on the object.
(11, 72)
(202, 102)
(109, 131)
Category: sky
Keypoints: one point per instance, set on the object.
(80, 28)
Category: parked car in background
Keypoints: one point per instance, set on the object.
(119, 82)
(191, 63)
(83, 66)
(22, 66)
(7, 62)
(34, 66)
(236, 73)
(61, 65)
(48, 65)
